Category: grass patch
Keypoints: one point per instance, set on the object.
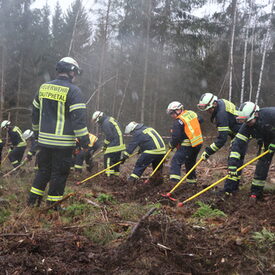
(101, 233)
(77, 209)
(103, 198)
(4, 214)
(206, 211)
(264, 239)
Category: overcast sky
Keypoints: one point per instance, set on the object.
(63, 3)
(206, 10)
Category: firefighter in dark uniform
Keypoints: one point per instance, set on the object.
(113, 143)
(28, 135)
(187, 138)
(223, 114)
(86, 154)
(59, 116)
(152, 149)
(259, 124)
(16, 141)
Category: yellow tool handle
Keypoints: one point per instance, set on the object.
(166, 155)
(102, 171)
(6, 156)
(222, 179)
(98, 153)
(108, 168)
(187, 174)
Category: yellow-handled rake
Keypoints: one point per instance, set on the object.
(169, 194)
(180, 204)
(102, 171)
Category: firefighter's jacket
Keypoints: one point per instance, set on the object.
(113, 135)
(15, 137)
(148, 140)
(263, 129)
(186, 130)
(225, 118)
(59, 114)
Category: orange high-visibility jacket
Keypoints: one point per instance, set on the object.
(93, 140)
(192, 127)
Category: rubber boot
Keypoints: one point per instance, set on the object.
(34, 200)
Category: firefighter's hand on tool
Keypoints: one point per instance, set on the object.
(204, 156)
(271, 148)
(104, 148)
(232, 171)
(124, 157)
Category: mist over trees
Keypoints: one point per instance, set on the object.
(137, 55)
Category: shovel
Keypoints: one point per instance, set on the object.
(180, 204)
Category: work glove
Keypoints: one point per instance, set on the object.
(232, 171)
(139, 151)
(271, 148)
(124, 157)
(205, 156)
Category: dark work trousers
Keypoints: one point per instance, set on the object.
(184, 155)
(144, 161)
(261, 173)
(79, 159)
(110, 159)
(16, 155)
(54, 167)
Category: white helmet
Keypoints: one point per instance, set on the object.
(5, 123)
(27, 134)
(67, 64)
(97, 115)
(130, 127)
(206, 101)
(247, 111)
(173, 106)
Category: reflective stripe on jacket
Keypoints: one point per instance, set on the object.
(192, 127)
(113, 135)
(15, 137)
(59, 114)
(92, 139)
(148, 139)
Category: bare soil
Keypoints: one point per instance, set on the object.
(170, 241)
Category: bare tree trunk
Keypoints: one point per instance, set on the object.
(19, 86)
(142, 115)
(73, 33)
(251, 63)
(266, 42)
(3, 79)
(103, 54)
(231, 60)
(244, 58)
(124, 93)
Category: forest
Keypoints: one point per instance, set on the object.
(138, 56)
